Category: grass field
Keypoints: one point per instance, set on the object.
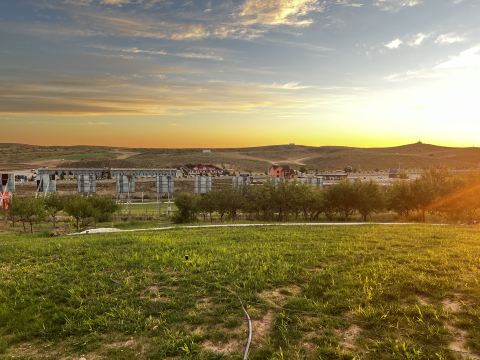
(367, 292)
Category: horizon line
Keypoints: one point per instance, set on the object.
(238, 147)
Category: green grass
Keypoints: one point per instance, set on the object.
(146, 209)
(366, 292)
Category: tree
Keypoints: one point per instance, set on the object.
(188, 207)
(103, 208)
(433, 185)
(30, 210)
(80, 208)
(13, 211)
(53, 205)
(400, 198)
(235, 202)
(206, 205)
(369, 198)
(342, 198)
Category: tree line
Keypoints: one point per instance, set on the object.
(437, 191)
(83, 210)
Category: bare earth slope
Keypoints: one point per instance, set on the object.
(19, 156)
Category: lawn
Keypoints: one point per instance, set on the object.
(366, 292)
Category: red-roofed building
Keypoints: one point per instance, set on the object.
(281, 171)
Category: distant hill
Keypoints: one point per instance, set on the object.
(257, 159)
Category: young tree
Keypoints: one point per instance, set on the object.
(30, 210)
(188, 208)
(369, 198)
(342, 197)
(316, 204)
(400, 198)
(53, 205)
(13, 212)
(103, 208)
(235, 202)
(80, 208)
(206, 206)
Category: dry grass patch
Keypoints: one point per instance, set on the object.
(458, 344)
(34, 351)
(349, 337)
(423, 300)
(454, 305)
(278, 297)
(262, 327)
(230, 347)
(154, 293)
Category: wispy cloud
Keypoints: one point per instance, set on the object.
(449, 38)
(467, 60)
(188, 54)
(279, 12)
(251, 20)
(395, 5)
(285, 86)
(415, 40)
(394, 44)
(80, 96)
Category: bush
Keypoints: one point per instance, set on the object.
(187, 208)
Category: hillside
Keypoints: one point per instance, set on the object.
(257, 159)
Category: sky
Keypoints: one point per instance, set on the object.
(228, 73)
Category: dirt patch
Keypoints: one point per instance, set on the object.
(278, 297)
(308, 348)
(130, 343)
(453, 305)
(31, 350)
(262, 327)
(349, 337)
(423, 300)
(122, 155)
(229, 347)
(458, 344)
(154, 293)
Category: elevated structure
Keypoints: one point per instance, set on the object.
(87, 177)
(145, 172)
(46, 183)
(202, 184)
(316, 181)
(241, 181)
(165, 184)
(98, 172)
(7, 183)
(125, 184)
(87, 183)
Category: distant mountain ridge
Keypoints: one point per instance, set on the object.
(257, 159)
